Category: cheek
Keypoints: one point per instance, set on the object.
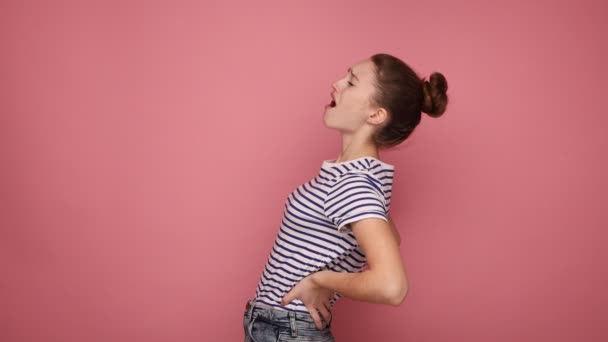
(353, 109)
(354, 100)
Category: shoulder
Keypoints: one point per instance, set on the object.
(356, 178)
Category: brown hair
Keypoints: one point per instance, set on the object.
(404, 95)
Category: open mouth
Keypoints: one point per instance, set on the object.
(332, 104)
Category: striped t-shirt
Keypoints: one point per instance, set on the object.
(315, 234)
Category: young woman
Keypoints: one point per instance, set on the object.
(338, 222)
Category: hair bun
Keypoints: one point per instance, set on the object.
(435, 99)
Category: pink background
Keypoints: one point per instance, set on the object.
(147, 149)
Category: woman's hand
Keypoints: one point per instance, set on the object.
(314, 298)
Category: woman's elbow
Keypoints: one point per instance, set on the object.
(397, 293)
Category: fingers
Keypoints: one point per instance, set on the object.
(315, 316)
(328, 307)
(325, 312)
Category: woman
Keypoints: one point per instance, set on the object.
(337, 223)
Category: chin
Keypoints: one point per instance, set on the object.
(331, 127)
(325, 123)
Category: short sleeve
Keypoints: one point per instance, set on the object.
(354, 197)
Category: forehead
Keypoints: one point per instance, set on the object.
(362, 69)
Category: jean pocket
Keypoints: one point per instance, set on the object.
(260, 330)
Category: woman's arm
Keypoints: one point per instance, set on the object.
(385, 280)
(395, 232)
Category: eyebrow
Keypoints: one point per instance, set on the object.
(352, 73)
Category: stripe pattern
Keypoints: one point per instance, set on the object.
(315, 231)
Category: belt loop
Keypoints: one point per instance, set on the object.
(251, 306)
(292, 322)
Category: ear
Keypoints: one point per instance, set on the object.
(378, 116)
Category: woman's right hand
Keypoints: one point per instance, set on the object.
(314, 298)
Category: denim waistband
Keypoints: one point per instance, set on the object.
(273, 314)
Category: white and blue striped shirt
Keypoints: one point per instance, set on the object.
(315, 233)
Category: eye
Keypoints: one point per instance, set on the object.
(351, 84)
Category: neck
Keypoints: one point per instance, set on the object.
(350, 153)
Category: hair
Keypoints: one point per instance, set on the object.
(405, 96)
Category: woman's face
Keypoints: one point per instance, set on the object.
(352, 93)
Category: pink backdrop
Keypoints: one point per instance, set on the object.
(147, 149)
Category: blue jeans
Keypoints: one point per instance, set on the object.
(264, 323)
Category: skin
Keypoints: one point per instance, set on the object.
(354, 115)
(356, 118)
